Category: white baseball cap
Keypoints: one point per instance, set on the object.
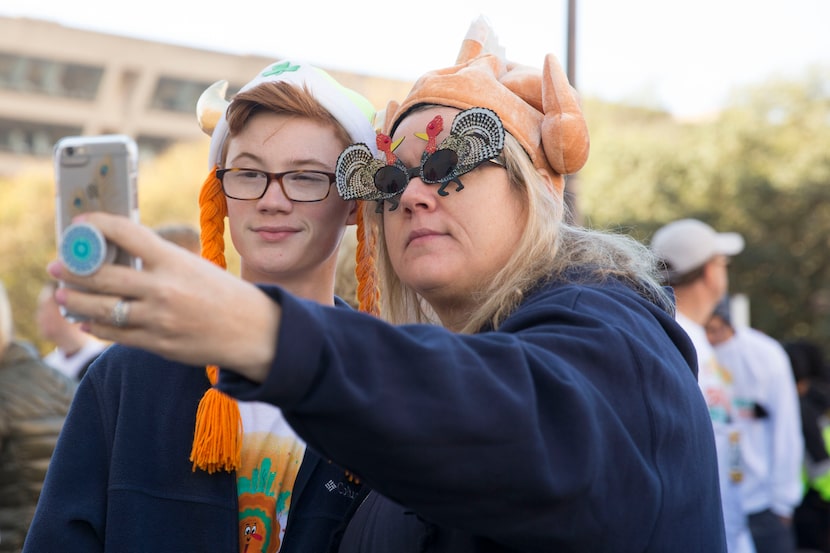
(687, 244)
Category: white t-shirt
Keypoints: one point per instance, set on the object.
(71, 366)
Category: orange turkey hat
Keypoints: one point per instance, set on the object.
(538, 107)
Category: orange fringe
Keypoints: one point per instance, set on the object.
(217, 442)
(217, 437)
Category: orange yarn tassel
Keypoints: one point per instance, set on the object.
(368, 293)
(217, 437)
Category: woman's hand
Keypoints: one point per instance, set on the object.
(179, 305)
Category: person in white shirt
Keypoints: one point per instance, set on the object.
(75, 349)
(696, 258)
(767, 411)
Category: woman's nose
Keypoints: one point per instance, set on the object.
(418, 195)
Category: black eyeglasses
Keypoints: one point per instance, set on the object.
(476, 137)
(298, 186)
(441, 167)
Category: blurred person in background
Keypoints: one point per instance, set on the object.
(812, 517)
(75, 350)
(767, 411)
(34, 399)
(696, 259)
(182, 234)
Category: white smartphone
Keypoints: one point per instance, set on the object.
(94, 173)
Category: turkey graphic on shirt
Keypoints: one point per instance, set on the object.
(264, 484)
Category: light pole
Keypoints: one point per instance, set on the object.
(571, 181)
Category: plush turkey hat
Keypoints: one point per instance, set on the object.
(539, 108)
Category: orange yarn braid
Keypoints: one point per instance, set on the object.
(217, 437)
(213, 208)
(368, 293)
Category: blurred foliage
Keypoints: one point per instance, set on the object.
(760, 167)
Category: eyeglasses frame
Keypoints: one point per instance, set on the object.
(418, 171)
(220, 174)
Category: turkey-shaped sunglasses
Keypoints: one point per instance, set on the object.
(476, 136)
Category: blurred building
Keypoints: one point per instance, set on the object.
(57, 81)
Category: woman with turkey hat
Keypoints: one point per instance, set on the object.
(539, 397)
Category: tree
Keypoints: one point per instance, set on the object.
(760, 168)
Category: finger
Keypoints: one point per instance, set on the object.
(113, 280)
(93, 307)
(120, 315)
(136, 239)
(127, 335)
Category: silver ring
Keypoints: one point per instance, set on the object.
(120, 313)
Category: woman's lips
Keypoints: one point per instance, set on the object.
(421, 234)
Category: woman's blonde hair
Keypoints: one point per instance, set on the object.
(548, 249)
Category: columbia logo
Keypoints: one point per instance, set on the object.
(331, 485)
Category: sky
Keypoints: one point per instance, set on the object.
(684, 57)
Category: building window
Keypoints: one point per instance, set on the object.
(25, 138)
(181, 96)
(177, 95)
(81, 81)
(150, 147)
(53, 78)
